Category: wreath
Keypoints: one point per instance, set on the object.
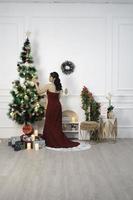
(67, 67)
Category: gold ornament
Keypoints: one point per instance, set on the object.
(26, 97)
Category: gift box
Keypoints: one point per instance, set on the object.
(41, 144)
(20, 142)
(19, 145)
(14, 139)
(25, 138)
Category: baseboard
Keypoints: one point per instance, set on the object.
(7, 132)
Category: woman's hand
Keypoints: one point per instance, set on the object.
(35, 80)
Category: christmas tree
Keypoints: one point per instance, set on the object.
(25, 107)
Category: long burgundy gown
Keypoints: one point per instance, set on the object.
(52, 133)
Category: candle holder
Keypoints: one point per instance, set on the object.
(66, 92)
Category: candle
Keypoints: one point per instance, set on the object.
(36, 132)
(33, 137)
(73, 119)
(36, 146)
(28, 146)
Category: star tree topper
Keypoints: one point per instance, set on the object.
(28, 33)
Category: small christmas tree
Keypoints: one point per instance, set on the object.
(25, 107)
(86, 98)
(89, 105)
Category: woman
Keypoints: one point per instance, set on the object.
(52, 133)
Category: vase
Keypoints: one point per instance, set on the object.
(27, 129)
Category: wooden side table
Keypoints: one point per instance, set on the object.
(91, 127)
(108, 128)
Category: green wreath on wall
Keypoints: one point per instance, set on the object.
(67, 67)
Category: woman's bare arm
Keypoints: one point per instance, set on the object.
(61, 93)
(41, 90)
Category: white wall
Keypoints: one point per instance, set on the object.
(97, 38)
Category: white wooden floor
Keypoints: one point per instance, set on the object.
(104, 172)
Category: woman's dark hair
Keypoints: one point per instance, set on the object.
(56, 81)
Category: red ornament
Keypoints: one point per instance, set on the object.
(27, 129)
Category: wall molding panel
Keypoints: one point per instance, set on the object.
(97, 38)
(122, 61)
(11, 37)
